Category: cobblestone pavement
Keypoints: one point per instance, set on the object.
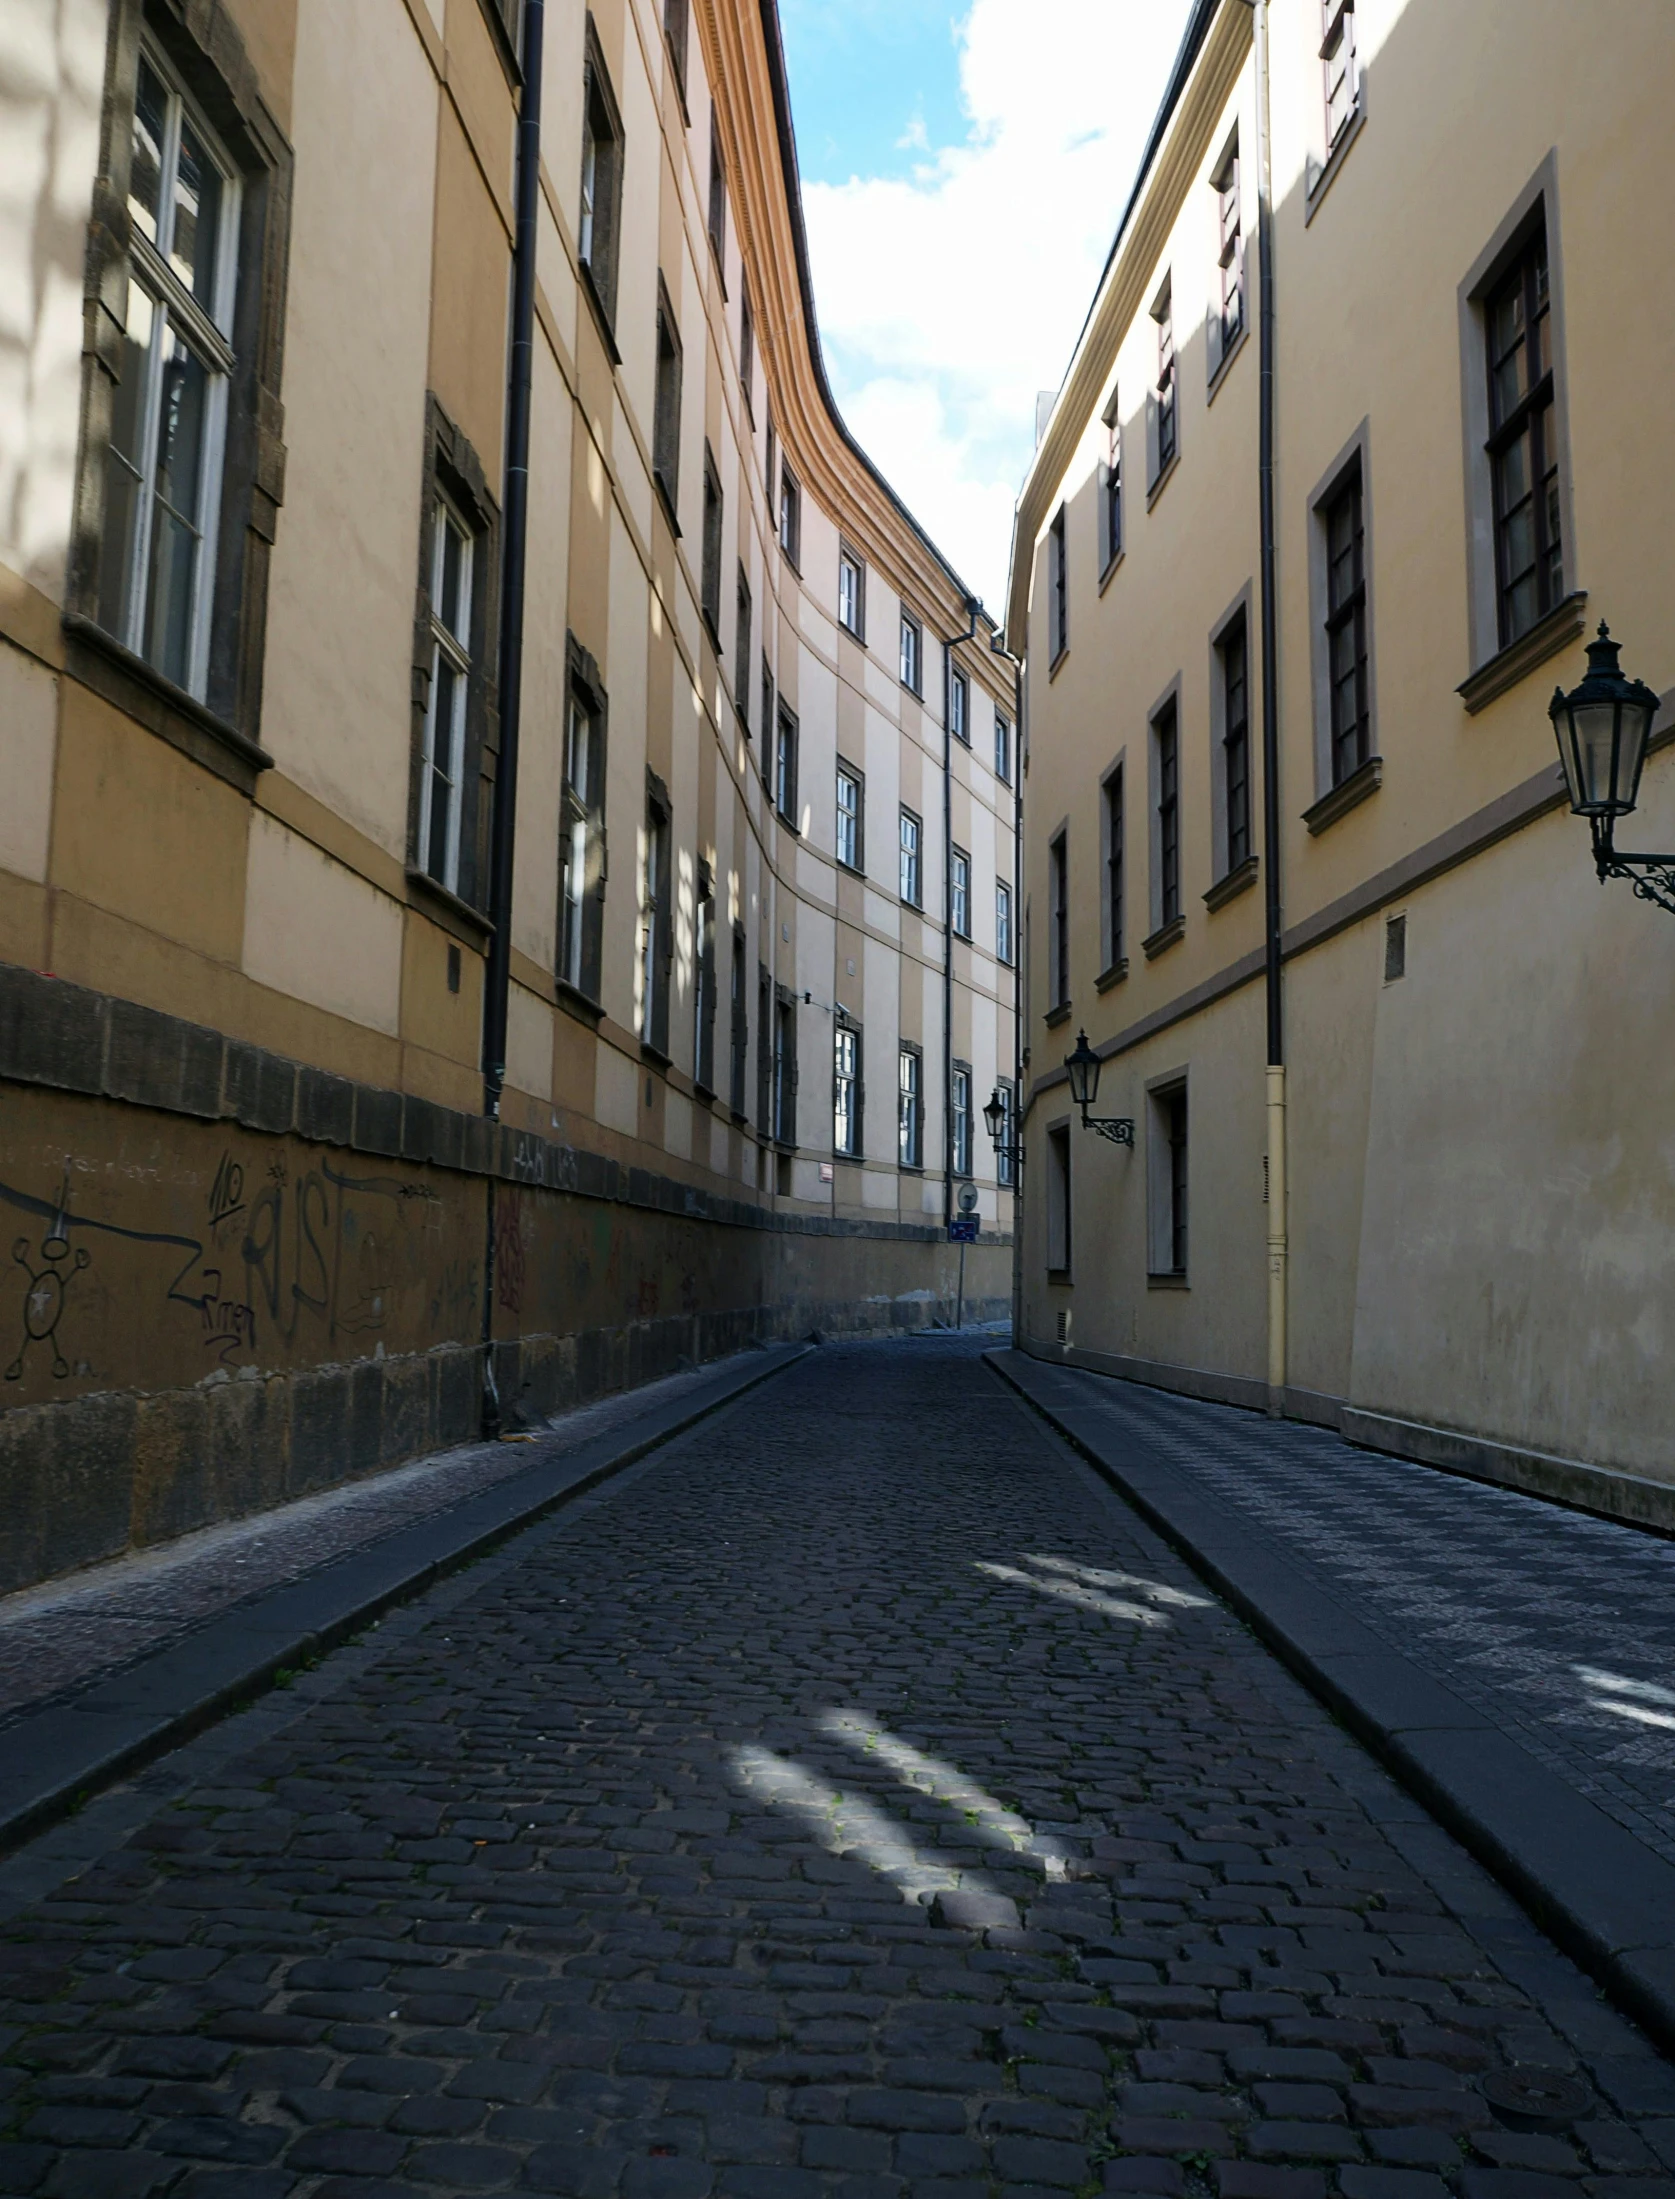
(69, 1632)
(668, 1854)
(1559, 1626)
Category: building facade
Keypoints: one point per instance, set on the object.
(277, 1216)
(1429, 1200)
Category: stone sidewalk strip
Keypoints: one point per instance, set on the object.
(854, 1799)
(1602, 1890)
(54, 1755)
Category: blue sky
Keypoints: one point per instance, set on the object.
(873, 82)
(932, 134)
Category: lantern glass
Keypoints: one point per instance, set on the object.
(1082, 1067)
(1602, 728)
(994, 1116)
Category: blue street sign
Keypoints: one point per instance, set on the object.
(962, 1230)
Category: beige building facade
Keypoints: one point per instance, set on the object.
(1445, 1227)
(274, 1215)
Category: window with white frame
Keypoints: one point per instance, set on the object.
(959, 893)
(169, 415)
(582, 842)
(1003, 748)
(959, 707)
(910, 1107)
(912, 653)
(790, 515)
(846, 1089)
(960, 1119)
(1003, 921)
(912, 836)
(1230, 318)
(851, 593)
(1342, 72)
(442, 788)
(849, 816)
(785, 766)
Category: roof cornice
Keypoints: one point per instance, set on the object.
(753, 96)
(1218, 38)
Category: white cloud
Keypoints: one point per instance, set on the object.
(949, 298)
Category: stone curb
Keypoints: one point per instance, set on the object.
(54, 1758)
(1595, 1889)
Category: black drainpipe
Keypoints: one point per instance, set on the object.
(515, 520)
(971, 609)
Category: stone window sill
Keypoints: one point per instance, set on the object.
(1164, 937)
(1349, 794)
(1167, 1282)
(1233, 884)
(1519, 658)
(1114, 975)
(101, 662)
(1055, 1016)
(458, 916)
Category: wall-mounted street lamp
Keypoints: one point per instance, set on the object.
(1082, 1067)
(994, 1122)
(1602, 728)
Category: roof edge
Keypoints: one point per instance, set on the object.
(791, 175)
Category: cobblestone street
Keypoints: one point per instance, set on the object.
(851, 1798)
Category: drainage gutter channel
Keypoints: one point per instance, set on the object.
(1601, 1894)
(57, 1757)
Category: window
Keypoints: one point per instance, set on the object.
(851, 593)
(790, 515)
(741, 647)
(768, 475)
(441, 795)
(1395, 947)
(747, 350)
(910, 1107)
(582, 843)
(785, 766)
(1003, 749)
(740, 1028)
(767, 706)
(1058, 936)
(1115, 825)
(785, 1067)
(1165, 420)
(1234, 665)
(959, 707)
(656, 921)
(912, 653)
(709, 584)
(1166, 759)
(1058, 585)
(1231, 257)
(1110, 489)
(1005, 1169)
(168, 420)
(912, 834)
(849, 852)
(703, 985)
(675, 18)
(846, 1089)
(1342, 74)
(601, 195)
(718, 192)
(960, 1120)
(1523, 447)
(1003, 921)
(1346, 627)
(1167, 1184)
(764, 1051)
(665, 429)
(959, 893)
(1058, 1201)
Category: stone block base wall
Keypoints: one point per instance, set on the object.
(234, 1281)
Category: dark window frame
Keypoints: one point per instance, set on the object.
(743, 645)
(1006, 930)
(1110, 490)
(1060, 1209)
(599, 258)
(787, 741)
(1531, 417)
(1349, 732)
(910, 658)
(790, 516)
(715, 225)
(910, 1107)
(785, 1069)
(1058, 584)
(959, 708)
(709, 570)
(1003, 748)
(1166, 765)
(666, 407)
(1232, 649)
(217, 74)
(1114, 834)
(738, 1080)
(747, 349)
(1229, 325)
(657, 927)
(703, 969)
(677, 17)
(1169, 1183)
(1164, 404)
(767, 713)
(1006, 1174)
(584, 807)
(858, 779)
(1058, 912)
(454, 471)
